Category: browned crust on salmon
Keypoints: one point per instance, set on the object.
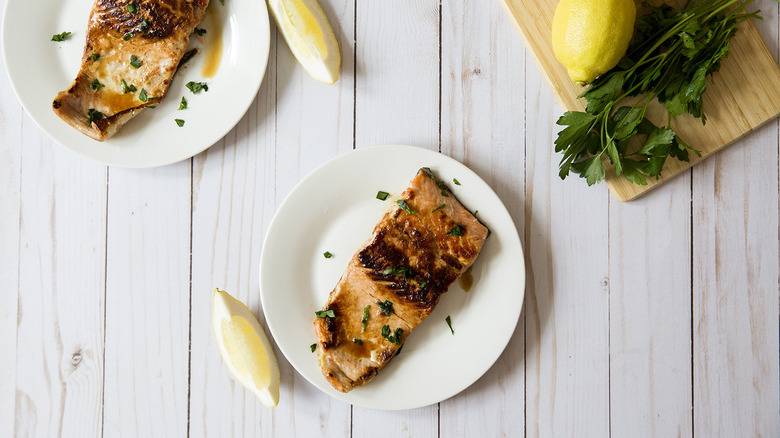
(157, 34)
(411, 260)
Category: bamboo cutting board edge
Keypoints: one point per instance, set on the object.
(748, 48)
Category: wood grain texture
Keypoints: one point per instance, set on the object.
(650, 314)
(735, 102)
(59, 335)
(483, 126)
(567, 296)
(147, 295)
(10, 202)
(735, 319)
(653, 318)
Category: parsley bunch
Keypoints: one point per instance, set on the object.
(672, 54)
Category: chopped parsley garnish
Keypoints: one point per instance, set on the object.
(438, 208)
(395, 338)
(199, 31)
(93, 115)
(443, 188)
(60, 36)
(152, 106)
(313, 347)
(399, 350)
(456, 231)
(406, 272)
(144, 24)
(401, 203)
(382, 195)
(223, 2)
(366, 316)
(179, 122)
(195, 87)
(183, 103)
(95, 57)
(325, 313)
(386, 308)
(357, 341)
(423, 284)
(457, 183)
(449, 323)
(142, 95)
(96, 85)
(135, 62)
(327, 254)
(127, 88)
(128, 35)
(132, 8)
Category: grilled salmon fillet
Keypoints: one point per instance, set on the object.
(132, 51)
(392, 284)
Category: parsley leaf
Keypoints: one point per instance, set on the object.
(438, 208)
(183, 103)
(406, 272)
(199, 31)
(327, 254)
(385, 307)
(96, 85)
(449, 323)
(195, 87)
(457, 183)
(325, 313)
(457, 230)
(132, 8)
(127, 88)
(93, 115)
(179, 122)
(382, 195)
(313, 347)
(142, 96)
(60, 36)
(357, 341)
(401, 203)
(366, 316)
(95, 57)
(135, 62)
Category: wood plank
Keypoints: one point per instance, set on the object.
(147, 302)
(735, 102)
(59, 363)
(567, 298)
(397, 102)
(650, 314)
(483, 125)
(11, 114)
(292, 126)
(735, 205)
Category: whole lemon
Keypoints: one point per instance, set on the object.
(590, 36)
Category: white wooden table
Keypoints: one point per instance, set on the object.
(655, 318)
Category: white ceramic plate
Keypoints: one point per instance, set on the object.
(335, 209)
(40, 68)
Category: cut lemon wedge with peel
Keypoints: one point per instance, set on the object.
(306, 29)
(245, 348)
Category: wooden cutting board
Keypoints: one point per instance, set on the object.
(742, 96)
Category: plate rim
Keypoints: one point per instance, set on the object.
(264, 256)
(36, 117)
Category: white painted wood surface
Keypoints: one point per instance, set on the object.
(654, 318)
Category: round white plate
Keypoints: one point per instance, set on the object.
(335, 209)
(40, 68)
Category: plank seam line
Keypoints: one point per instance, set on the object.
(354, 133)
(105, 306)
(189, 317)
(526, 235)
(693, 382)
(609, 315)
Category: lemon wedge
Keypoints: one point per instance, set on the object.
(245, 348)
(306, 29)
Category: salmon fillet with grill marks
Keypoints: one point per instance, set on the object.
(156, 33)
(413, 257)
